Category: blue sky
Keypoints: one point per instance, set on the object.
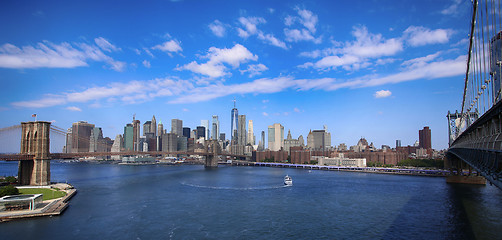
(375, 69)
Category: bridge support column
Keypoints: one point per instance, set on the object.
(456, 167)
(213, 150)
(35, 140)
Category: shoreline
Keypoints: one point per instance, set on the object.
(53, 207)
(378, 170)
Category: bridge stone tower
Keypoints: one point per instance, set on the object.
(35, 141)
(214, 150)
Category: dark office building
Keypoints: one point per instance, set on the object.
(424, 138)
(201, 132)
(186, 132)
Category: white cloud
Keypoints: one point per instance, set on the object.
(270, 39)
(308, 20)
(265, 101)
(169, 46)
(382, 94)
(127, 92)
(215, 66)
(452, 9)
(250, 28)
(271, 10)
(355, 54)
(185, 110)
(420, 36)
(265, 114)
(49, 55)
(146, 64)
(295, 35)
(218, 28)
(255, 69)
(187, 91)
(312, 54)
(74, 109)
(105, 45)
(296, 110)
(48, 101)
(250, 24)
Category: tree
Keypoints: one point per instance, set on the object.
(8, 190)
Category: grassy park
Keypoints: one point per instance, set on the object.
(48, 192)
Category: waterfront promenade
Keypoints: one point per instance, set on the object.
(398, 171)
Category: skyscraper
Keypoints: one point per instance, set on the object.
(241, 132)
(201, 132)
(136, 133)
(215, 134)
(81, 133)
(251, 138)
(128, 137)
(69, 134)
(205, 124)
(153, 126)
(424, 138)
(177, 127)
(160, 129)
(146, 127)
(234, 123)
(262, 140)
(275, 137)
(186, 132)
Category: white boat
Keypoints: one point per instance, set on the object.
(288, 180)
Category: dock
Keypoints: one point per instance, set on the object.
(54, 208)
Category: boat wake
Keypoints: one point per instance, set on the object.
(235, 188)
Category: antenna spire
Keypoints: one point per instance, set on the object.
(234, 102)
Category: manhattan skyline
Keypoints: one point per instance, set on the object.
(379, 70)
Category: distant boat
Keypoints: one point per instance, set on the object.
(288, 181)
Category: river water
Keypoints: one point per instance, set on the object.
(189, 202)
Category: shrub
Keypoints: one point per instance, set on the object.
(8, 190)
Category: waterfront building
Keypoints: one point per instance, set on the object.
(251, 137)
(117, 146)
(261, 144)
(291, 142)
(215, 128)
(340, 161)
(424, 138)
(160, 129)
(362, 145)
(398, 143)
(153, 126)
(182, 144)
(177, 127)
(275, 137)
(67, 148)
(136, 133)
(128, 137)
(96, 143)
(186, 132)
(169, 142)
(241, 132)
(81, 133)
(205, 124)
(319, 139)
(200, 132)
(342, 147)
(234, 123)
(146, 127)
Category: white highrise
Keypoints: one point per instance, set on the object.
(215, 128)
(251, 138)
(275, 137)
(205, 123)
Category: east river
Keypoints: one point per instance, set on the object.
(189, 202)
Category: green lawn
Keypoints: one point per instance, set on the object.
(48, 193)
